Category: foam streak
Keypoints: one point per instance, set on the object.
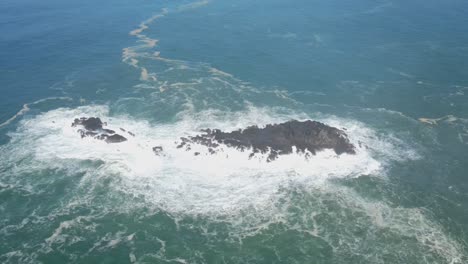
(26, 108)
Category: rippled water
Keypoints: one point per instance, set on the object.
(392, 73)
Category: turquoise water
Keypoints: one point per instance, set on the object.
(393, 73)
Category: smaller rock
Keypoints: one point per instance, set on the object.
(93, 127)
(158, 150)
(116, 138)
(109, 131)
(92, 123)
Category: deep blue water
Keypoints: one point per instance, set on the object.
(393, 73)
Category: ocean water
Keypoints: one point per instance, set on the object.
(393, 73)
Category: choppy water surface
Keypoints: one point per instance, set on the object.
(392, 73)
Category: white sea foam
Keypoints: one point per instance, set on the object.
(223, 184)
(26, 108)
(131, 54)
(145, 76)
(229, 183)
(57, 236)
(220, 72)
(180, 182)
(193, 5)
(381, 219)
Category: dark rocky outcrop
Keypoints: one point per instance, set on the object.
(94, 127)
(276, 139)
(307, 137)
(158, 150)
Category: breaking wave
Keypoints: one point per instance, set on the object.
(180, 182)
(250, 194)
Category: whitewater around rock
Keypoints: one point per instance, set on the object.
(307, 137)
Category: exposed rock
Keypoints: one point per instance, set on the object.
(211, 151)
(92, 123)
(277, 139)
(158, 150)
(93, 127)
(115, 138)
(307, 137)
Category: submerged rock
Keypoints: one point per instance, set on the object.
(115, 138)
(93, 127)
(277, 139)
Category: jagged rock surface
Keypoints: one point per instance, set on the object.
(276, 139)
(93, 127)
